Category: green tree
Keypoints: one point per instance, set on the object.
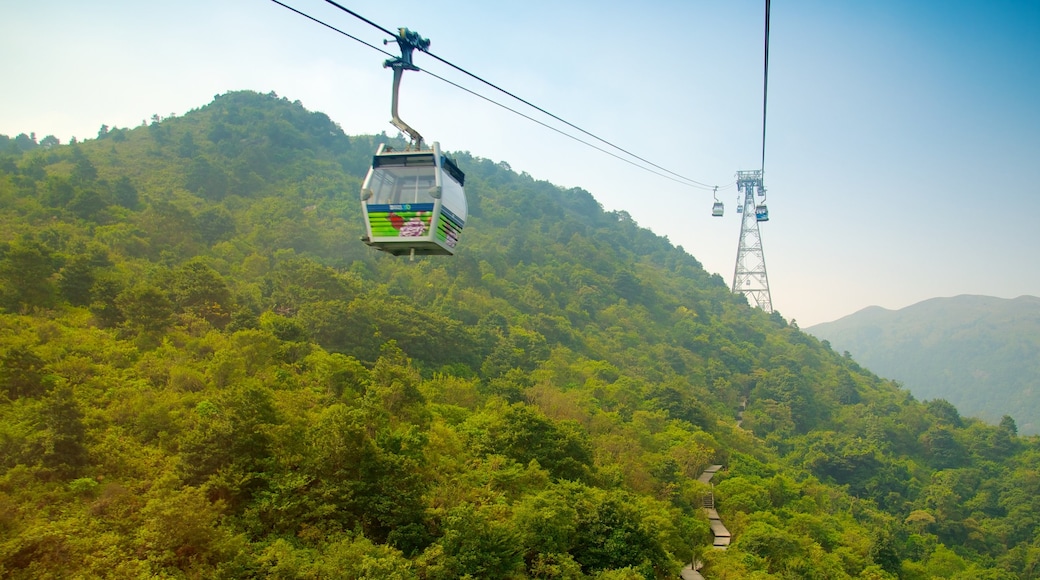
(145, 307)
(104, 304)
(61, 444)
(883, 551)
(352, 481)
(524, 434)
(180, 534)
(613, 534)
(26, 267)
(945, 412)
(476, 545)
(846, 391)
(395, 382)
(83, 170)
(215, 225)
(206, 180)
(89, 204)
(1007, 424)
(125, 194)
(775, 546)
(23, 374)
(942, 447)
(200, 290)
(229, 445)
(75, 280)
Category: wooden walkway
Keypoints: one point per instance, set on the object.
(709, 472)
(722, 535)
(688, 573)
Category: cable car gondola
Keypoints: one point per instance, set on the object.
(761, 211)
(718, 208)
(413, 201)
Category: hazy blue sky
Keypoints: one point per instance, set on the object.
(903, 149)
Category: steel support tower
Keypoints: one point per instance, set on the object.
(750, 276)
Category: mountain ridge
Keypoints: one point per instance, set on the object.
(975, 351)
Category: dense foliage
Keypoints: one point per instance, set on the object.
(978, 352)
(206, 375)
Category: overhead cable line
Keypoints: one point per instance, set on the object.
(765, 89)
(331, 27)
(362, 18)
(564, 121)
(682, 179)
(488, 99)
(564, 133)
(524, 101)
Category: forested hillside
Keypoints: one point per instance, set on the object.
(207, 375)
(978, 352)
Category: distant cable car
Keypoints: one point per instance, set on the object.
(718, 208)
(413, 200)
(762, 213)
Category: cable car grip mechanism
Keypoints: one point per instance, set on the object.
(408, 41)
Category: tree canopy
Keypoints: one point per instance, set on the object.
(206, 374)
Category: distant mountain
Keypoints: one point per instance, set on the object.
(978, 352)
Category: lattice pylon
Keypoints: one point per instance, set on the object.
(749, 275)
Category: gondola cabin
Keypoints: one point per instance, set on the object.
(718, 209)
(761, 213)
(413, 202)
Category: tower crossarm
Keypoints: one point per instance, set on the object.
(746, 179)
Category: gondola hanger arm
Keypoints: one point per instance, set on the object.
(408, 41)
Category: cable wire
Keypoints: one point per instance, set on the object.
(492, 101)
(682, 180)
(361, 18)
(564, 121)
(331, 27)
(765, 90)
(550, 127)
(524, 101)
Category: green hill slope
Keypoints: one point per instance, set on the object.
(207, 375)
(980, 353)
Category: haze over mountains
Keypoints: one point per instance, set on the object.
(978, 352)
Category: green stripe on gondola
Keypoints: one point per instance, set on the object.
(448, 230)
